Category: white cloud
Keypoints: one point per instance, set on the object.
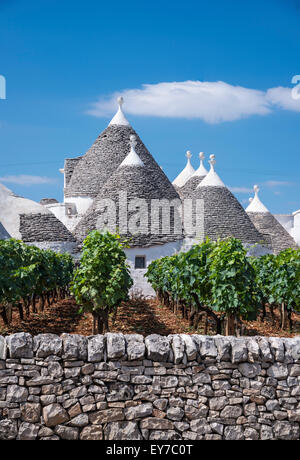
(277, 183)
(24, 179)
(284, 98)
(213, 102)
(241, 189)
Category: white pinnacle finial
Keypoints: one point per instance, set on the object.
(255, 204)
(250, 199)
(132, 141)
(212, 161)
(132, 158)
(211, 179)
(119, 118)
(201, 171)
(186, 173)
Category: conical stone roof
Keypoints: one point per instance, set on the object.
(187, 190)
(223, 215)
(30, 221)
(103, 158)
(267, 224)
(133, 181)
(185, 174)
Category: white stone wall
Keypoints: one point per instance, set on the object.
(82, 203)
(11, 206)
(291, 222)
(158, 388)
(296, 228)
(60, 212)
(79, 205)
(141, 285)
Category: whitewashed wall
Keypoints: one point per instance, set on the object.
(141, 285)
(60, 212)
(291, 222)
(296, 228)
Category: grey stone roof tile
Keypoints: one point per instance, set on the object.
(267, 224)
(137, 182)
(103, 158)
(43, 228)
(225, 217)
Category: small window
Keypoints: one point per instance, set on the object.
(140, 262)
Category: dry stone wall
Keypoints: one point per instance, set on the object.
(126, 387)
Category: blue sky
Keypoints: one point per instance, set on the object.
(65, 61)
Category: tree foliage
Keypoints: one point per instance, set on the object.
(102, 280)
(27, 272)
(218, 279)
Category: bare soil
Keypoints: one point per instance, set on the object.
(136, 316)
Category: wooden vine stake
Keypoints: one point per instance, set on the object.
(230, 324)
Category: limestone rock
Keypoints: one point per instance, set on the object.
(135, 412)
(294, 415)
(8, 429)
(175, 414)
(16, 394)
(218, 403)
(231, 412)
(160, 404)
(207, 346)
(80, 420)
(3, 347)
(284, 430)
(154, 423)
(249, 370)
(31, 412)
(253, 350)
(265, 350)
(278, 371)
(115, 345)
(20, 345)
(54, 414)
(128, 431)
(295, 370)
(177, 344)
(190, 347)
(96, 348)
(158, 347)
(74, 346)
(67, 433)
(239, 350)
(251, 434)
(200, 426)
(91, 433)
(277, 348)
(28, 431)
(55, 370)
(223, 345)
(135, 346)
(46, 345)
(169, 435)
(233, 433)
(107, 415)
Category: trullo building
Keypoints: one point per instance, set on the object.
(266, 224)
(117, 184)
(34, 224)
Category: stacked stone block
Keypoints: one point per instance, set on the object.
(126, 387)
